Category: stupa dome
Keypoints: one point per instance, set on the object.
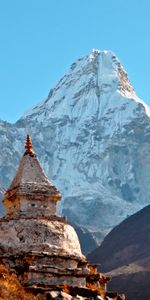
(25, 235)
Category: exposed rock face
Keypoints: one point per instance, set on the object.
(126, 257)
(92, 136)
(88, 240)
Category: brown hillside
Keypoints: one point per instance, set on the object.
(10, 287)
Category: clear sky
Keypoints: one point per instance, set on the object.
(39, 39)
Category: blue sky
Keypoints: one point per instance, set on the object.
(39, 39)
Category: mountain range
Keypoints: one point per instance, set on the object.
(92, 136)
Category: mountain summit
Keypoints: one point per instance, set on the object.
(92, 82)
(92, 136)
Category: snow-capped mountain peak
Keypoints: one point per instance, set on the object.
(92, 136)
(98, 79)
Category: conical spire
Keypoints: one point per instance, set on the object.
(28, 146)
(30, 178)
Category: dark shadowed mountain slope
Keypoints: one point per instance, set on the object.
(88, 240)
(135, 284)
(125, 255)
(126, 243)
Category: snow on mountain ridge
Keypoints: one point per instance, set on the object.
(83, 66)
(100, 70)
(92, 136)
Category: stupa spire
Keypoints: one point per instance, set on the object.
(28, 146)
(30, 187)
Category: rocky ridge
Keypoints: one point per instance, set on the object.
(92, 137)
